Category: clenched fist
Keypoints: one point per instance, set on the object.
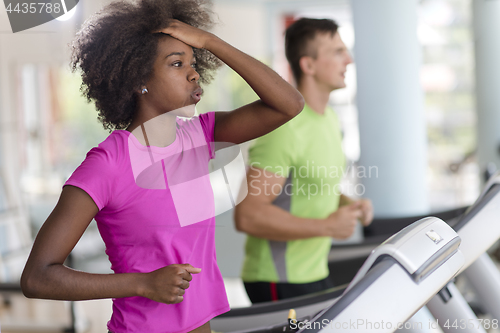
(168, 284)
(341, 223)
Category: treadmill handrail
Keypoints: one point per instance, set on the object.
(286, 304)
(488, 194)
(383, 227)
(494, 180)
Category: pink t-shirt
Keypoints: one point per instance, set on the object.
(156, 208)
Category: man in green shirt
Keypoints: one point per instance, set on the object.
(294, 204)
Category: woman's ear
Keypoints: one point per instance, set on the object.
(306, 64)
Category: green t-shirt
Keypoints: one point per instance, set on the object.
(307, 151)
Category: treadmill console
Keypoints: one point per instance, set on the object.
(406, 248)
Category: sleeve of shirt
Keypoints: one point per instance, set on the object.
(274, 152)
(207, 121)
(95, 176)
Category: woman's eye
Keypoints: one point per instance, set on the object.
(177, 63)
(193, 65)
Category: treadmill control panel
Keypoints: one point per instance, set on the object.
(406, 248)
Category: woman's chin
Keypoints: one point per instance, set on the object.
(187, 111)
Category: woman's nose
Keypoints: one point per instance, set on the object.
(193, 75)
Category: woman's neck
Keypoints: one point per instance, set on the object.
(159, 131)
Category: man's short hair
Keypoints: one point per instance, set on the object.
(297, 38)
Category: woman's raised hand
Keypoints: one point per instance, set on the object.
(168, 284)
(187, 33)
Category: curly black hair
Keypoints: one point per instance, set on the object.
(115, 50)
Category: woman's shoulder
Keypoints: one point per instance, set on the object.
(99, 172)
(111, 149)
(115, 140)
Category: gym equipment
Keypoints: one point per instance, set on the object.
(422, 258)
(479, 229)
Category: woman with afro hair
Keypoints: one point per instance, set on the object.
(147, 184)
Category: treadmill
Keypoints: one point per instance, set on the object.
(345, 260)
(479, 229)
(422, 258)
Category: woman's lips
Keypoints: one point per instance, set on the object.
(196, 95)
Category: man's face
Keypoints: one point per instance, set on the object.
(331, 60)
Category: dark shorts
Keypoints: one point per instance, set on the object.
(271, 291)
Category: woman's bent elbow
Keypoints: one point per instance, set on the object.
(297, 107)
(30, 283)
(300, 103)
(26, 286)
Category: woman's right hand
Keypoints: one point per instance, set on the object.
(188, 34)
(168, 284)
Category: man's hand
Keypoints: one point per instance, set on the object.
(187, 33)
(168, 284)
(341, 223)
(367, 209)
(365, 205)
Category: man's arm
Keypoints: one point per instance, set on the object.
(257, 216)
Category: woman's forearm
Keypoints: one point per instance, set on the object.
(267, 84)
(59, 282)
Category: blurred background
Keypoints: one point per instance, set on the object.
(411, 109)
